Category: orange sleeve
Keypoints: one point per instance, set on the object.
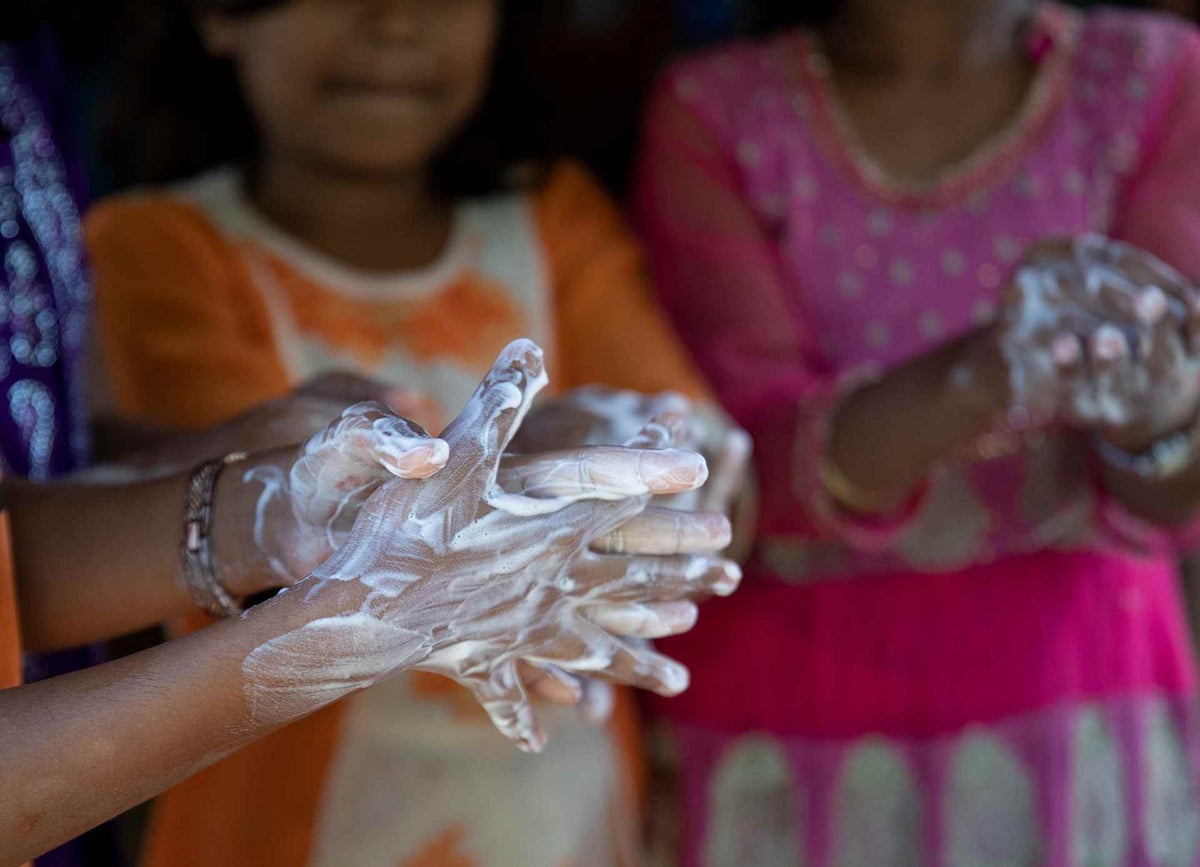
(184, 337)
(10, 629)
(610, 329)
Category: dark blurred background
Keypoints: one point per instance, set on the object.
(585, 68)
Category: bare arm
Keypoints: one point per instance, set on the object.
(926, 418)
(416, 584)
(1098, 336)
(79, 749)
(924, 410)
(96, 562)
(68, 536)
(1167, 503)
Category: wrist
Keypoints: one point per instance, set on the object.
(242, 567)
(1143, 437)
(976, 379)
(1154, 458)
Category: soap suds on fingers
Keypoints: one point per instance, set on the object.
(458, 576)
(1100, 334)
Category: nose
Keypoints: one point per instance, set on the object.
(395, 20)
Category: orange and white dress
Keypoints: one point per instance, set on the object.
(10, 632)
(206, 309)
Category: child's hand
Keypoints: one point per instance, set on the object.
(656, 532)
(1101, 335)
(455, 575)
(308, 498)
(594, 415)
(598, 415)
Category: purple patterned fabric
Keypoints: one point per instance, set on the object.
(45, 293)
(45, 304)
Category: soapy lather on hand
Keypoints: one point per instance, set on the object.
(457, 575)
(1099, 334)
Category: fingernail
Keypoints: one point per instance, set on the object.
(671, 422)
(598, 702)
(670, 472)
(524, 355)
(732, 580)
(722, 531)
(678, 617)
(1109, 343)
(532, 742)
(1065, 349)
(424, 460)
(1152, 305)
(675, 679)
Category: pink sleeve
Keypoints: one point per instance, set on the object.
(719, 278)
(1159, 211)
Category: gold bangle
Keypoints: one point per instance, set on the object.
(846, 492)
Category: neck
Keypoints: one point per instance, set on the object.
(924, 38)
(367, 221)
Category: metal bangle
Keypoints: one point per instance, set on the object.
(1166, 457)
(845, 492)
(196, 550)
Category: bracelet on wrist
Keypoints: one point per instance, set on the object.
(196, 551)
(1165, 458)
(848, 493)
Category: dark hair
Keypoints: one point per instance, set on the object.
(20, 23)
(180, 111)
(768, 15)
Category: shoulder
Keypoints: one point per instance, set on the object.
(1129, 55)
(158, 244)
(735, 63)
(577, 219)
(1129, 66)
(1137, 36)
(570, 191)
(151, 215)
(720, 85)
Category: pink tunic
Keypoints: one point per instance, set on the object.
(1002, 674)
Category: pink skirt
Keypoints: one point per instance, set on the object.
(1035, 711)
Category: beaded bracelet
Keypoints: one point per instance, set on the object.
(196, 551)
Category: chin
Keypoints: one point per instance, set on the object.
(378, 159)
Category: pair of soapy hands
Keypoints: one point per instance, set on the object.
(509, 570)
(1101, 335)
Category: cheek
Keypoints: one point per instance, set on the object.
(468, 54)
(279, 72)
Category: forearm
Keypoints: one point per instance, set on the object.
(79, 749)
(96, 561)
(887, 436)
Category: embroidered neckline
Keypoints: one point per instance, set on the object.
(220, 195)
(835, 135)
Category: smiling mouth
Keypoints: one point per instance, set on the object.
(384, 89)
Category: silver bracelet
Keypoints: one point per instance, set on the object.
(1166, 457)
(196, 551)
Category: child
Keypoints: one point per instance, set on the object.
(980, 623)
(338, 243)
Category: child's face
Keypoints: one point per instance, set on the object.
(360, 86)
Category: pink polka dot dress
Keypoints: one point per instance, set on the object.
(1002, 674)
